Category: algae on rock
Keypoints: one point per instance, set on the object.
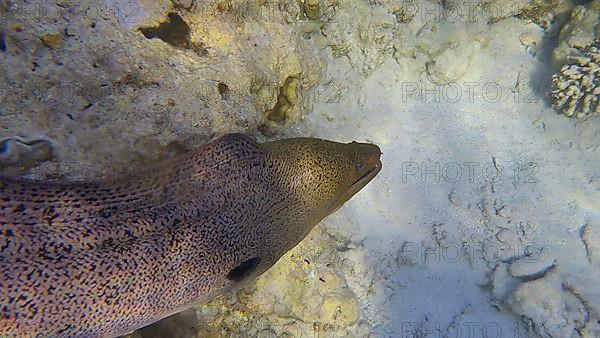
(578, 33)
(540, 11)
(96, 85)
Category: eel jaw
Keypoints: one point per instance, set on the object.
(355, 187)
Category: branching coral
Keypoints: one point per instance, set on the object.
(575, 88)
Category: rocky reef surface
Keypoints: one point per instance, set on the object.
(108, 82)
(575, 89)
(485, 219)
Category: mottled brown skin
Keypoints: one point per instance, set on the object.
(105, 258)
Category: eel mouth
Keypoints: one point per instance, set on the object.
(375, 167)
(362, 181)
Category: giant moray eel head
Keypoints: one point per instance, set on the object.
(321, 176)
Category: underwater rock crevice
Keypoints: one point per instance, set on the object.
(175, 32)
(287, 99)
(3, 41)
(223, 90)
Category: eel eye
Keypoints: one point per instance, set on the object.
(360, 166)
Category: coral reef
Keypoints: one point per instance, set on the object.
(578, 33)
(360, 32)
(541, 12)
(119, 90)
(82, 72)
(576, 88)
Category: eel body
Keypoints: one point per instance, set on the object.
(104, 258)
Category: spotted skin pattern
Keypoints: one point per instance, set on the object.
(93, 259)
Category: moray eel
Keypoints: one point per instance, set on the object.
(104, 258)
